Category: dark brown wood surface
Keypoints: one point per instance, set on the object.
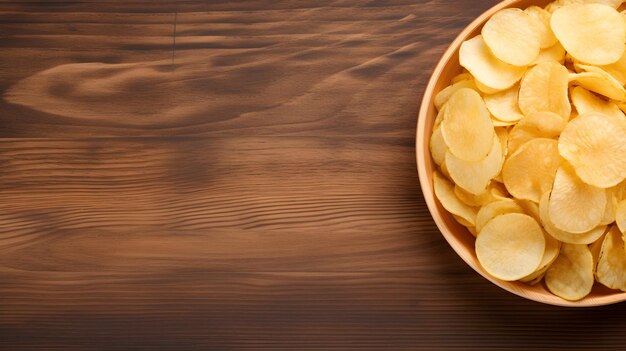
(204, 175)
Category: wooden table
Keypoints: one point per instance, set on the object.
(237, 176)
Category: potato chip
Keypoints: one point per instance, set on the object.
(444, 170)
(619, 191)
(443, 96)
(492, 194)
(503, 105)
(474, 176)
(550, 254)
(620, 216)
(461, 76)
(439, 117)
(611, 207)
(438, 147)
(586, 102)
(571, 275)
(483, 89)
(503, 136)
(498, 123)
(613, 3)
(536, 125)
(555, 53)
(530, 171)
(541, 18)
(536, 277)
(617, 70)
(495, 209)
(462, 221)
(510, 246)
(513, 36)
(531, 208)
(498, 178)
(476, 57)
(595, 145)
(544, 88)
(611, 268)
(570, 238)
(595, 249)
(444, 190)
(598, 81)
(591, 33)
(466, 127)
(574, 206)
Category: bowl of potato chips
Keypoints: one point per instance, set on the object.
(521, 149)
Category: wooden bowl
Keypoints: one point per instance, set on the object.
(459, 238)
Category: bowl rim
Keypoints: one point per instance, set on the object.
(425, 183)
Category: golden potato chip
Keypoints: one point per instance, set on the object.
(611, 268)
(550, 254)
(620, 216)
(613, 3)
(503, 105)
(570, 238)
(619, 191)
(503, 136)
(598, 81)
(530, 171)
(555, 53)
(461, 76)
(466, 127)
(531, 208)
(621, 105)
(574, 206)
(536, 125)
(510, 246)
(439, 117)
(498, 123)
(544, 88)
(476, 57)
(443, 96)
(617, 70)
(571, 275)
(595, 248)
(462, 221)
(444, 190)
(541, 18)
(474, 176)
(483, 89)
(586, 102)
(495, 209)
(535, 278)
(513, 36)
(438, 147)
(591, 33)
(444, 170)
(595, 145)
(611, 207)
(492, 194)
(498, 178)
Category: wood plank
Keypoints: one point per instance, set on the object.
(269, 70)
(279, 311)
(218, 202)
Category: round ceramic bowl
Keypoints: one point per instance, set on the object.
(458, 237)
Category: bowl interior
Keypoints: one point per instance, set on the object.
(458, 237)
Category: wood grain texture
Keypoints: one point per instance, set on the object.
(237, 176)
